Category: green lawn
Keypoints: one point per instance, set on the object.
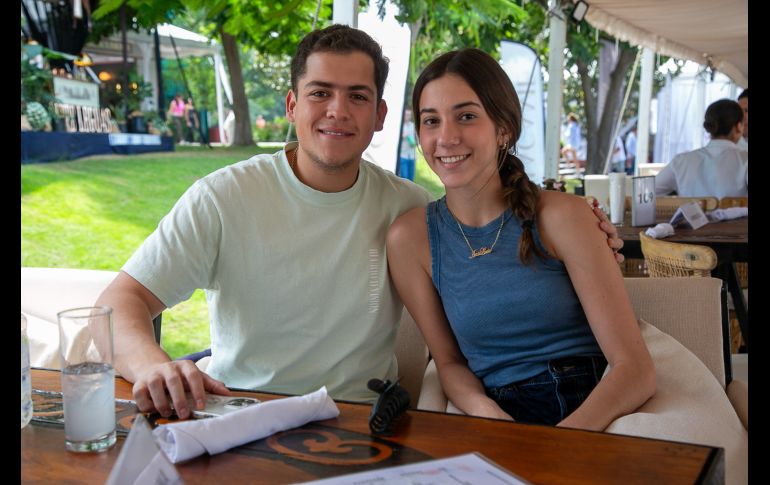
(424, 176)
(94, 212)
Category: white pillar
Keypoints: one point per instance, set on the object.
(557, 40)
(220, 103)
(345, 12)
(148, 74)
(645, 100)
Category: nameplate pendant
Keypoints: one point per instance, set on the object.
(479, 252)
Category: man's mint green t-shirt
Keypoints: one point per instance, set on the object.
(296, 279)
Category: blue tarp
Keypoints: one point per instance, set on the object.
(45, 146)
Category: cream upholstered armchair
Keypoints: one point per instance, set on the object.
(683, 322)
(47, 291)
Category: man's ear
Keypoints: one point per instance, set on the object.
(382, 110)
(291, 103)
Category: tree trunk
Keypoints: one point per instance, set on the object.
(599, 136)
(242, 135)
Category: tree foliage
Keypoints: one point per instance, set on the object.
(438, 26)
(441, 25)
(268, 26)
(261, 34)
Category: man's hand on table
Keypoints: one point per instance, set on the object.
(163, 388)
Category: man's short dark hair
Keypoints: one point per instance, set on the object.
(340, 39)
(744, 94)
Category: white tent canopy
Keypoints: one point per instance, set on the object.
(140, 48)
(703, 31)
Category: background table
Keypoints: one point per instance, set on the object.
(540, 454)
(730, 241)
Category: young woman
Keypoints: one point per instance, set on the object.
(518, 297)
(721, 168)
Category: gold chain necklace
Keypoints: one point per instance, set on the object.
(482, 251)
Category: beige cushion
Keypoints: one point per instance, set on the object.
(689, 405)
(47, 291)
(738, 393)
(43, 342)
(432, 397)
(688, 309)
(411, 355)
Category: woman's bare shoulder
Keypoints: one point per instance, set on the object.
(408, 228)
(559, 207)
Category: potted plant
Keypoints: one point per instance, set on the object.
(36, 90)
(156, 126)
(120, 102)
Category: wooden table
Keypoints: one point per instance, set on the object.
(730, 241)
(536, 453)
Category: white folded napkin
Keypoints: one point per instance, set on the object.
(664, 229)
(726, 214)
(188, 439)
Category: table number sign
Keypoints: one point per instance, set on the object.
(690, 213)
(643, 201)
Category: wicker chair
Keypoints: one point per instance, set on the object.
(666, 206)
(726, 202)
(667, 259)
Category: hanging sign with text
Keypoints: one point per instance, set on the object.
(78, 93)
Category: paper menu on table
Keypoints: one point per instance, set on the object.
(469, 468)
(141, 460)
(691, 213)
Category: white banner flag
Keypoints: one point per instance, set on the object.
(394, 38)
(521, 64)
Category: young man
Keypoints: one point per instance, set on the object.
(289, 247)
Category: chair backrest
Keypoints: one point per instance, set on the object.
(693, 311)
(667, 259)
(666, 206)
(727, 202)
(412, 356)
(47, 291)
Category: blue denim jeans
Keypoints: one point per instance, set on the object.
(551, 396)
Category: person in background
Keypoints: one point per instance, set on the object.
(618, 160)
(193, 123)
(408, 143)
(720, 169)
(570, 152)
(176, 112)
(265, 237)
(260, 122)
(631, 151)
(520, 303)
(743, 100)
